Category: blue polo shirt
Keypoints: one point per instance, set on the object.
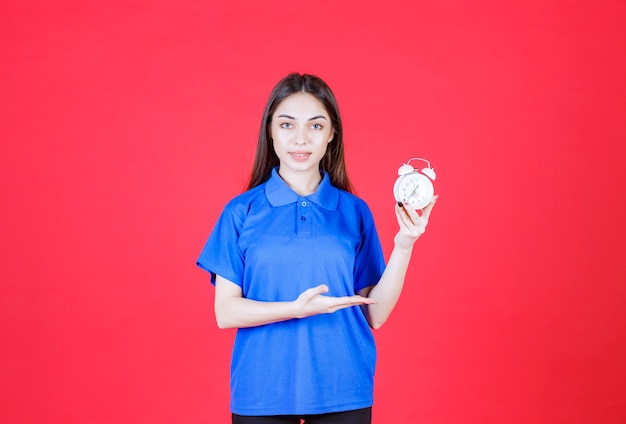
(275, 244)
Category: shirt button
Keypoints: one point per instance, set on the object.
(303, 218)
(303, 203)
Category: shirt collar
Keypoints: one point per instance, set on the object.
(280, 194)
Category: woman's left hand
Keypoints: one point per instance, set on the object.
(412, 224)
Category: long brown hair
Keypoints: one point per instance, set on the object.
(333, 161)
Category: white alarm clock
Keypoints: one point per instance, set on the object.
(414, 186)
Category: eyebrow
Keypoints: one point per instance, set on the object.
(310, 119)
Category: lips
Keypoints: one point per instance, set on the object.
(299, 156)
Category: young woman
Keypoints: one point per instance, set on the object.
(298, 269)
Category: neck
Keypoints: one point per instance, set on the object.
(302, 183)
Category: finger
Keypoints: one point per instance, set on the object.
(322, 288)
(426, 211)
(315, 291)
(402, 210)
(404, 218)
(361, 300)
(413, 214)
(348, 301)
(400, 215)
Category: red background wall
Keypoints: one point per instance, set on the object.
(127, 125)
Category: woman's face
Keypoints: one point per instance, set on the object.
(301, 130)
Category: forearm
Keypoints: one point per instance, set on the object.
(232, 310)
(239, 312)
(387, 292)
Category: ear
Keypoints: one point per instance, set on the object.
(332, 135)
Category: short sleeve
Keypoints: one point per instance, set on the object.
(370, 261)
(221, 254)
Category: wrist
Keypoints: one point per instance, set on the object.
(403, 244)
(403, 248)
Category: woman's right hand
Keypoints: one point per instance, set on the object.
(313, 302)
(232, 310)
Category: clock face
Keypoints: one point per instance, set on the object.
(416, 189)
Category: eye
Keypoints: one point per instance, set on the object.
(286, 125)
(317, 126)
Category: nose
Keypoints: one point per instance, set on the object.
(302, 136)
